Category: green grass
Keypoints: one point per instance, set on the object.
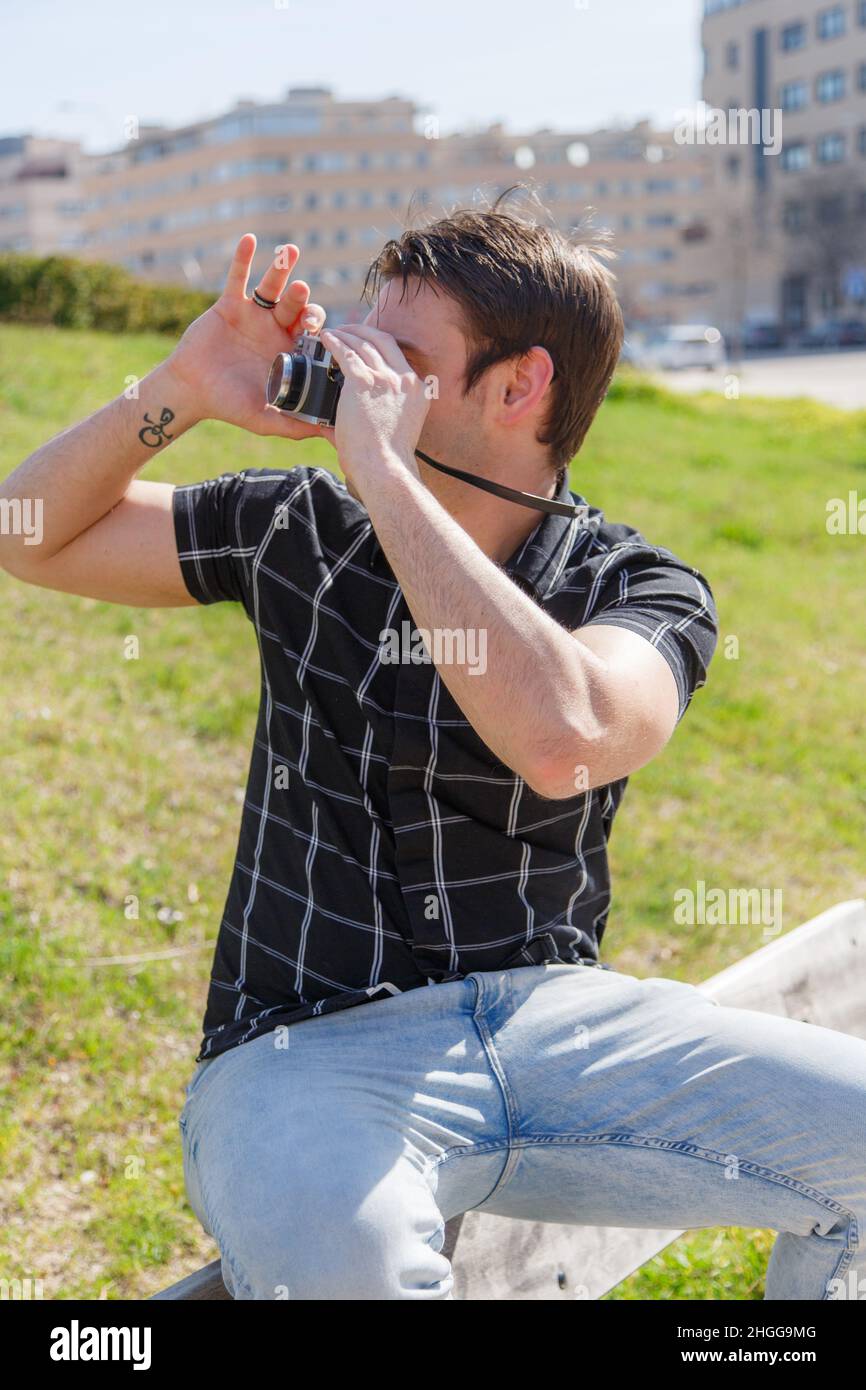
(121, 780)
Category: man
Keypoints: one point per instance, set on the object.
(407, 1017)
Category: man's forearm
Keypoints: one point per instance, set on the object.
(537, 704)
(83, 472)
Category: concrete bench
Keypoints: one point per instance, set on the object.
(814, 973)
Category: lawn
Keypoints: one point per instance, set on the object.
(122, 782)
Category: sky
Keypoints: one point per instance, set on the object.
(80, 69)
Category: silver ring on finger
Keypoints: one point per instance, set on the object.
(264, 303)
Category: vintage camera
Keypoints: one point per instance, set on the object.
(306, 383)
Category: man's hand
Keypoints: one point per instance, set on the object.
(108, 535)
(222, 360)
(382, 405)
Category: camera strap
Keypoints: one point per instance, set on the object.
(511, 494)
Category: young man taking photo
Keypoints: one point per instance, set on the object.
(407, 1016)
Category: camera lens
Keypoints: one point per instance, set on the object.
(287, 380)
(275, 379)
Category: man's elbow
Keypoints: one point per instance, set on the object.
(18, 560)
(21, 538)
(582, 760)
(567, 763)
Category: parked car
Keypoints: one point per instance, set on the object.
(849, 333)
(762, 336)
(834, 333)
(684, 345)
(816, 336)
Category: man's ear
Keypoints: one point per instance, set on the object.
(528, 378)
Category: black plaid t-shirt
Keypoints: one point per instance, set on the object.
(382, 845)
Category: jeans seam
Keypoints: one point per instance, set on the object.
(214, 1227)
(219, 1235)
(511, 1114)
(483, 1146)
(758, 1170)
(655, 1141)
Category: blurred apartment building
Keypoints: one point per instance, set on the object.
(648, 192)
(790, 228)
(41, 199)
(340, 177)
(703, 232)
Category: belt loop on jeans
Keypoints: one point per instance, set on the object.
(474, 980)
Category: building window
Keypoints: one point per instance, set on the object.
(188, 141)
(792, 36)
(830, 24)
(831, 149)
(793, 96)
(829, 297)
(146, 154)
(733, 165)
(831, 211)
(861, 13)
(794, 300)
(861, 145)
(732, 55)
(830, 86)
(795, 156)
(332, 162)
(861, 77)
(695, 231)
(794, 217)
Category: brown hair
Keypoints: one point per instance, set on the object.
(520, 284)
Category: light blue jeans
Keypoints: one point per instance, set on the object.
(325, 1160)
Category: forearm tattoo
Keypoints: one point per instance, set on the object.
(154, 433)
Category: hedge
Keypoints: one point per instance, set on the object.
(91, 294)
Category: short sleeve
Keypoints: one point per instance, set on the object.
(220, 525)
(648, 590)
